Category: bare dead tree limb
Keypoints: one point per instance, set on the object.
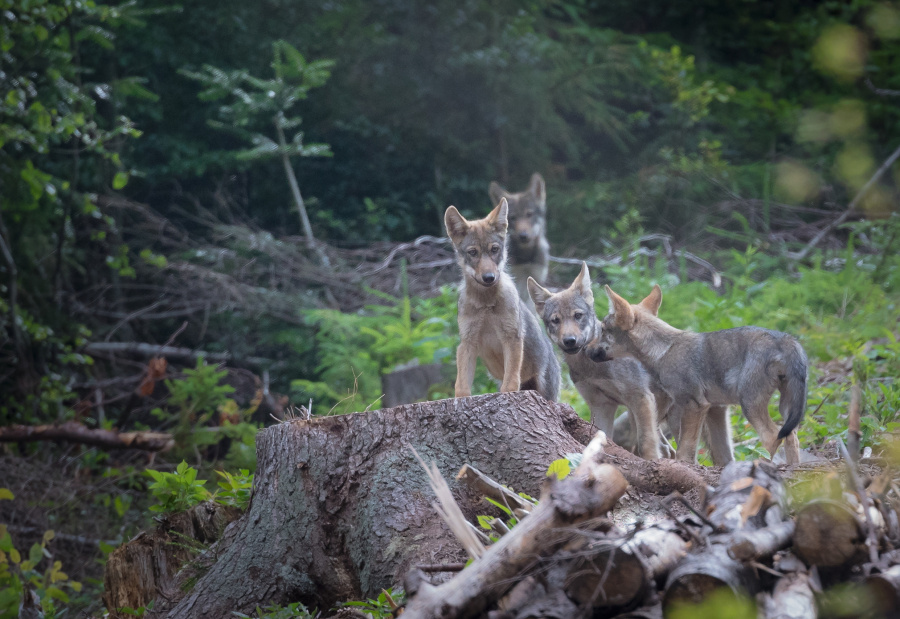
(144, 349)
(851, 208)
(74, 432)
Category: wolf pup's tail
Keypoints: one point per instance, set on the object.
(793, 388)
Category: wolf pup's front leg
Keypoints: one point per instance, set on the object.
(513, 350)
(466, 356)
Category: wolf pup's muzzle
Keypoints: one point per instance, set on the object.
(598, 354)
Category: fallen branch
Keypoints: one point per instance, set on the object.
(73, 432)
(590, 491)
(851, 208)
(752, 545)
(153, 350)
(482, 484)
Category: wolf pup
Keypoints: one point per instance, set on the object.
(742, 366)
(572, 324)
(494, 323)
(529, 251)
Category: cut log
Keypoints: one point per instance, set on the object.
(700, 575)
(829, 534)
(884, 591)
(590, 491)
(749, 496)
(341, 509)
(752, 545)
(793, 598)
(74, 432)
(620, 574)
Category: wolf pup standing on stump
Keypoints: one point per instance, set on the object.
(572, 324)
(529, 251)
(742, 366)
(494, 323)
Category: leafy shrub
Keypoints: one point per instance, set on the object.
(20, 577)
(291, 611)
(235, 489)
(382, 607)
(178, 491)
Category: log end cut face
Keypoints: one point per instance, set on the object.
(827, 534)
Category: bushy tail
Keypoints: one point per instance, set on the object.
(793, 389)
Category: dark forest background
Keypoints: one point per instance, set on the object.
(740, 153)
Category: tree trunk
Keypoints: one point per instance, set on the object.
(341, 508)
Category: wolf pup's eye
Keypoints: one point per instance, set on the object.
(473, 252)
(578, 315)
(495, 248)
(555, 320)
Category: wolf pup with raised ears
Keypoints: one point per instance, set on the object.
(494, 322)
(529, 251)
(742, 366)
(572, 325)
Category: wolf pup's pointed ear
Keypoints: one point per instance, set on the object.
(537, 188)
(653, 300)
(456, 224)
(621, 310)
(496, 191)
(582, 283)
(499, 217)
(538, 294)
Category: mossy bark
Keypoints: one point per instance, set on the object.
(341, 508)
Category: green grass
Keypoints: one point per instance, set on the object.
(845, 316)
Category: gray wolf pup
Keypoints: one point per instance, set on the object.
(494, 323)
(742, 366)
(572, 324)
(529, 251)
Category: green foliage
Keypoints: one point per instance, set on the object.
(839, 308)
(21, 576)
(178, 491)
(356, 349)
(295, 610)
(255, 101)
(235, 489)
(721, 604)
(57, 151)
(383, 607)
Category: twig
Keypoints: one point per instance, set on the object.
(800, 255)
(883, 92)
(154, 350)
(853, 434)
(865, 501)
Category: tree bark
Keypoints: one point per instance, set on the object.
(138, 571)
(341, 508)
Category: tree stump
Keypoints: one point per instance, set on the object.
(341, 508)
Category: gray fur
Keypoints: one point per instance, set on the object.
(494, 322)
(529, 251)
(742, 366)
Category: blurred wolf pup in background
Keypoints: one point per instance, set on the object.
(572, 324)
(744, 365)
(494, 323)
(529, 251)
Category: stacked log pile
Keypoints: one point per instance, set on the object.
(566, 558)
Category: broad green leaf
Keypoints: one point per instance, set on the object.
(559, 468)
(120, 180)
